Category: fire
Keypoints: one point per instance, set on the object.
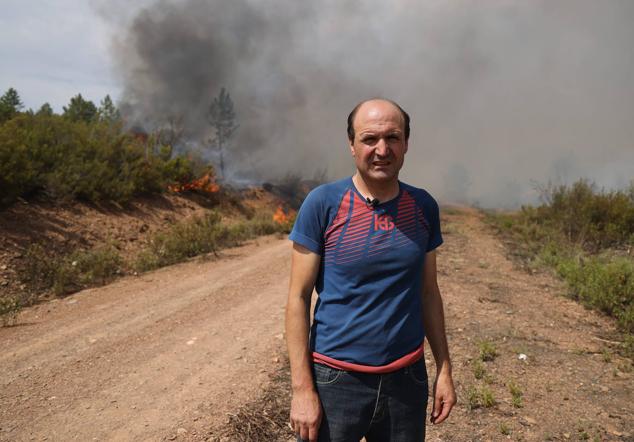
(206, 183)
(280, 216)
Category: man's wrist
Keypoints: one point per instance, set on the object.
(303, 387)
(444, 367)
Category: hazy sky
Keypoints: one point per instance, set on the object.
(501, 93)
(52, 50)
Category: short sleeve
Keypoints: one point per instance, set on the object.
(433, 217)
(308, 230)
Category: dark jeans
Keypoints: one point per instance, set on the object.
(387, 407)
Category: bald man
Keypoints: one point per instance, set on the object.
(367, 244)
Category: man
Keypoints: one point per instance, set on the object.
(366, 243)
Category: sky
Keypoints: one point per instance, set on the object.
(53, 50)
(505, 95)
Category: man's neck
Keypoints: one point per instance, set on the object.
(382, 191)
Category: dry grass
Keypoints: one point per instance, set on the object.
(265, 419)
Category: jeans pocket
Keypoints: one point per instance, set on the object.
(325, 375)
(418, 372)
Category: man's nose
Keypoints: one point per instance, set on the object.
(382, 147)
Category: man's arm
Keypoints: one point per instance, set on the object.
(444, 394)
(305, 406)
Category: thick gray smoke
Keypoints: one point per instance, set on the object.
(502, 94)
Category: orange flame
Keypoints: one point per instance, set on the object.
(280, 216)
(205, 183)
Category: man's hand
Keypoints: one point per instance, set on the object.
(306, 414)
(444, 397)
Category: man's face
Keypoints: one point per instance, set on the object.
(379, 144)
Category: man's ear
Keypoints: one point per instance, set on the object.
(406, 145)
(351, 147)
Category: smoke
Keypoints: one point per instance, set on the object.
(501, 93)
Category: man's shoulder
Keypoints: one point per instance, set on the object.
(329, 192)
(419, 194)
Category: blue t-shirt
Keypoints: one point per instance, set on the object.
(370, 277)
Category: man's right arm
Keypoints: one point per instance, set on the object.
(305, 406)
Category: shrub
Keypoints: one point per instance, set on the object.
(72, 272)
(478, 369)
(516, 394)
(480, 397)
(487, 351)
(91, 160)
(585, 235)
(9, 308)
(603, 283)
(199, 236)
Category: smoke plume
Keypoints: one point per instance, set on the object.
(501, 93)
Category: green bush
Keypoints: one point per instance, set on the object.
(72, 272)
(602, 283)
(585, 235)
(199, 236)
(591, 218)
(89, 160)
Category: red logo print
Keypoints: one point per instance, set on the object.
(383, 222)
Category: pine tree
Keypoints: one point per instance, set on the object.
(108, 112)
(81, 110)
(45, 110)
(10, 105)
(222, 118)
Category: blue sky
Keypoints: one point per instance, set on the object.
(52, 50)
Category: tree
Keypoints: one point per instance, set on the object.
(80, 110)
(45, 110)
(223, 119)
(10, 105)
(108, 112)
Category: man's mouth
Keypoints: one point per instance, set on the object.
(380, 163)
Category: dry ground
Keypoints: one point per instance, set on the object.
(166, 356)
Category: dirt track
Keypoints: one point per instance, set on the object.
(145, 356)
(168, 354)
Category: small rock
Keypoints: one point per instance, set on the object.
(530, 420)
(280, 336)
(181, 431)
(190, 342)
(566, 435)
(3, 267)
(71, 301)
(522, 357)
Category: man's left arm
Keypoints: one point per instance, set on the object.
(444, 394)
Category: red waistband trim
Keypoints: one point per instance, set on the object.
(401, 362)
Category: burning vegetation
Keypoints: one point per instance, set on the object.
(281, 217)
(206, 183)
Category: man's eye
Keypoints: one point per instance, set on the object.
(393, 137)
(369, 140)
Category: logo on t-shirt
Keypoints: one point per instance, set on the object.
(383, 222)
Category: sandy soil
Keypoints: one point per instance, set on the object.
(168, 354)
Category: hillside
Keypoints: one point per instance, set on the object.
(63, 228)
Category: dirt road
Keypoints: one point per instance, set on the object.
(168, 354)
(144, 357)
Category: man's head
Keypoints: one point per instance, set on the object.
(378, 131)
(353, 114)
